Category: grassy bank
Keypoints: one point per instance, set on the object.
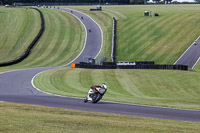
(28, 118)
(161, 39)
(62, 41)
(17, 30)
(177, 89)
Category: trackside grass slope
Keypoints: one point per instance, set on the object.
(177, 89)
(18, 28)
(62, 41)
(28, 118)
(161, 39)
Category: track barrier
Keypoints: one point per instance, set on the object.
(131, 65)
(73, 65)
(113, 50)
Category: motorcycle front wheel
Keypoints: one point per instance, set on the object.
(85, 99)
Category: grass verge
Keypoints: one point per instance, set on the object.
(20, 118)
(161, 39)
(62, 41)
(177, 89)
(17, 30)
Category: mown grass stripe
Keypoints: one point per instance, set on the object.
(23, 25)
(60, 43)
(148, 87)
(23, 118)
(128, 78)
(166, 50)
(48, 41)
(142, 43)
(155, 33)
(53, 44)
(39, 52)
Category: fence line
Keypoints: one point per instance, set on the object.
(139, 66)
(113, 51)
(101, 60)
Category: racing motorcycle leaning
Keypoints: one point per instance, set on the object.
(96, 93)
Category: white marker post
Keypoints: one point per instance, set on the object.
(153, 13)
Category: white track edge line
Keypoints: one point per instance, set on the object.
(107, 101)
(110, 101)
(32, 82)
(96, 24)
(184, 53)
(85, 38)
(86, 33)
(196, 63)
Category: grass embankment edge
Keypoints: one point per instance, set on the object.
(22, 118)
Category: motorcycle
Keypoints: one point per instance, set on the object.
(95, 96)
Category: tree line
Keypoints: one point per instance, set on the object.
(87, 1)
(67, 1)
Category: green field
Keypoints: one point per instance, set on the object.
(17, 30)
(162, 39)
(20, 118)
(62, 41)
(177, 89)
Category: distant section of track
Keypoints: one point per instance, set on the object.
(93, 42)
(15, 86)
(191, 56)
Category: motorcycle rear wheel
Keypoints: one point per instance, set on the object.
(96, 98)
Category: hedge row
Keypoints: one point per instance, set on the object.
(28, 50)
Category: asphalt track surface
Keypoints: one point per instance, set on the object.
(191, 56)
(16, 87)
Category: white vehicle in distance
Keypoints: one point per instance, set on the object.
(7, 5)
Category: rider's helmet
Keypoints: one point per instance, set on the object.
(104, 86)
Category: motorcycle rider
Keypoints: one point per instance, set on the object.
(94, 88)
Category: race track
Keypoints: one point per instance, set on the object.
(15, 86)
(191, 56)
